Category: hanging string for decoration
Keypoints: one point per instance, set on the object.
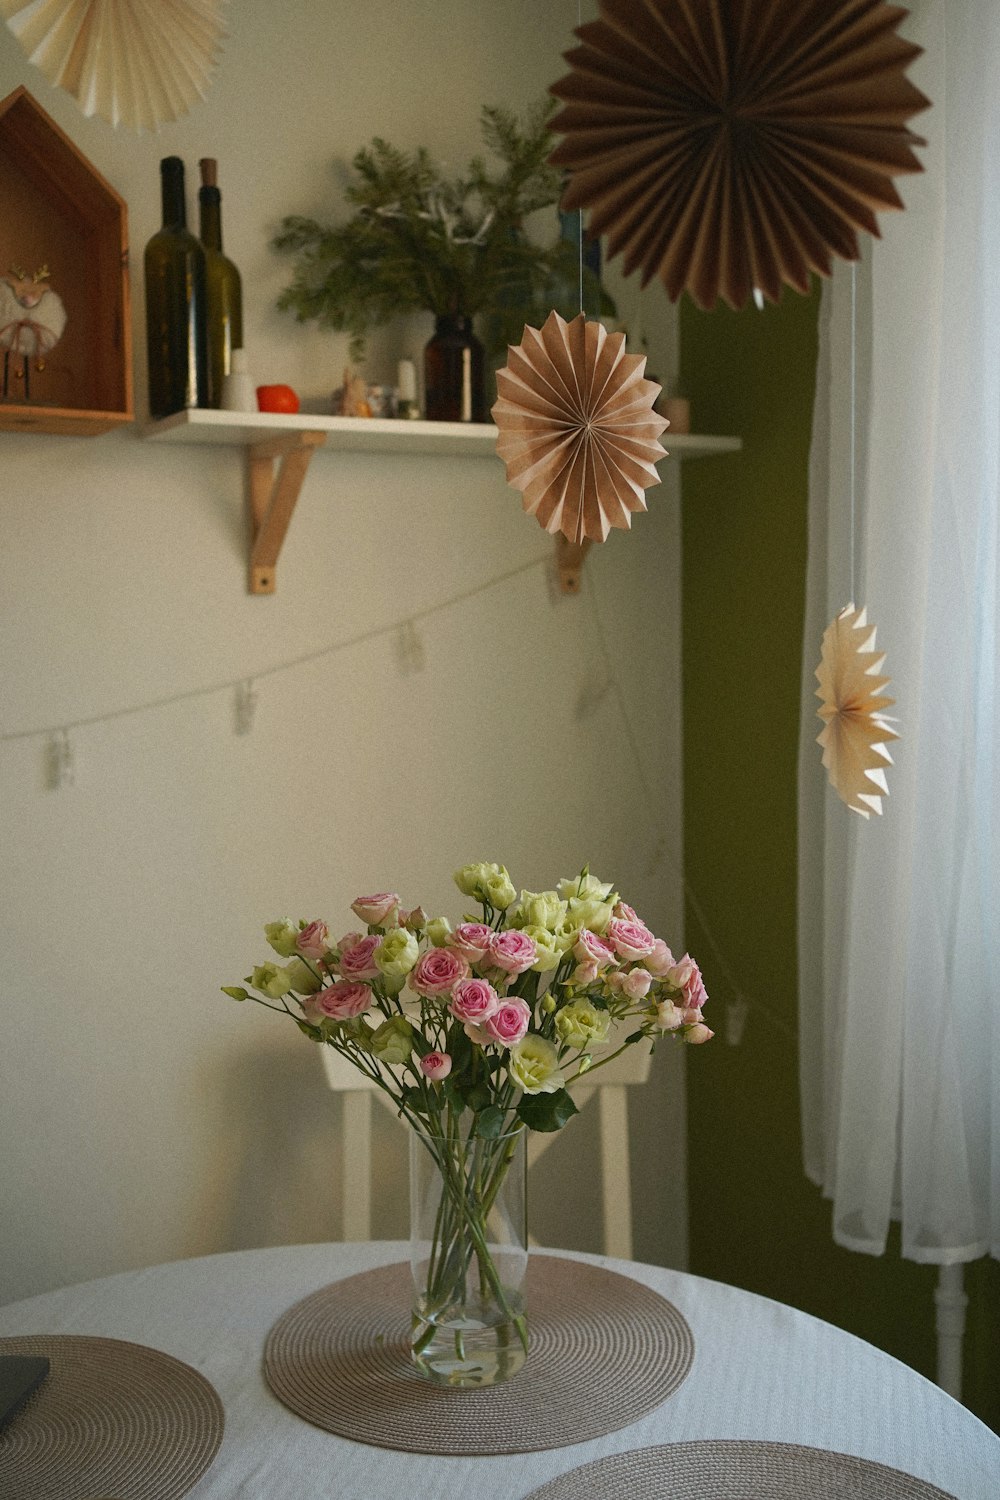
(578, 434)
(728, 146)
(855, 731)
(138, 63)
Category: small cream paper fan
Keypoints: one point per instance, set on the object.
(578, 433)
(855, 729)
(133, 62)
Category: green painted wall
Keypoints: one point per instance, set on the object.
(756, 1220)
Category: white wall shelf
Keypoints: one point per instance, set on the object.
(279, 449)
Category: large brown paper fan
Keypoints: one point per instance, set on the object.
(138, 63)
(855, 730)
(729, 146)
(578, 433)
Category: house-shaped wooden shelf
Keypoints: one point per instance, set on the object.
(57, 211)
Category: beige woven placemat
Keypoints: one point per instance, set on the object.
(733, 1469)
(604, 1351)
(110, 1419)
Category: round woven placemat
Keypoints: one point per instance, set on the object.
(110, 1419)
(604, 1351)
(732, 1469)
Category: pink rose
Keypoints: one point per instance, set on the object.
(374, 910)
(513, 951)
(358, 961)
(660, 960)
(435, 1066)
(584, 973)
(343, 1001)
(590, 949)
(630, 939)
(686, 977)
(472, 940)
(438, 971)
(635, 984)
(626, 913)
(669, 1017)
(350, 940)
(509, 1021)
(413, 921)
(473, 1001)
(695, 1035)
(313, 941)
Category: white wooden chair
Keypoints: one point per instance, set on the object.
(610, 1086)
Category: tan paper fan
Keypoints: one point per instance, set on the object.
(578, 433)
(729, 146)
(133, 62)
(855, 730)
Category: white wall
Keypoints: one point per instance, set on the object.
(142, 1115)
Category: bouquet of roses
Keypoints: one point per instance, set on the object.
(499, 1015)
(478, 1032)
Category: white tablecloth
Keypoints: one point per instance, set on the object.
(761, 1370)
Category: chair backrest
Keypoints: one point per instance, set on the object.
(609, 1086)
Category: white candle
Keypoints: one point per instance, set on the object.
(406, 379)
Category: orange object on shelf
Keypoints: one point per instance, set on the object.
(277, 398)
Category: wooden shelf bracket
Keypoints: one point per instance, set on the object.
(569, 562)
(276, 470)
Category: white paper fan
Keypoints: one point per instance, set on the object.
(133, 62)
(855, 729)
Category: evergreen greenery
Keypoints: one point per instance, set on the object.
(420, 242)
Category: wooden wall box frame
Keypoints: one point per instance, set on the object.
(57, 211)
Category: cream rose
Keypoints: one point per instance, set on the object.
(533, 1065)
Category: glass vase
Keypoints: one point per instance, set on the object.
(468, 1256)
(454, 378)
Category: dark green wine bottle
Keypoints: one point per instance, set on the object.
(174, 266)
(224, 320)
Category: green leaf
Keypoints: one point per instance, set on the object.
(546, 1112)
(635, 1036)
(459, 1049)
(478, 1096)
(236, 991)
(489, 1122)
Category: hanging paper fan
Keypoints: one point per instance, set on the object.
(578, 433)
(855, 730)
(133, 62)
(729, 146)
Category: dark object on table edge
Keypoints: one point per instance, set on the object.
(20, 1374)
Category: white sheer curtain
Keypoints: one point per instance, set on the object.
(900, 916)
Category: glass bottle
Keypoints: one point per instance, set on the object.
(174, 266)
(224, 312)
(454, 389)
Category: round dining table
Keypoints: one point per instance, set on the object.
(760, 1371)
